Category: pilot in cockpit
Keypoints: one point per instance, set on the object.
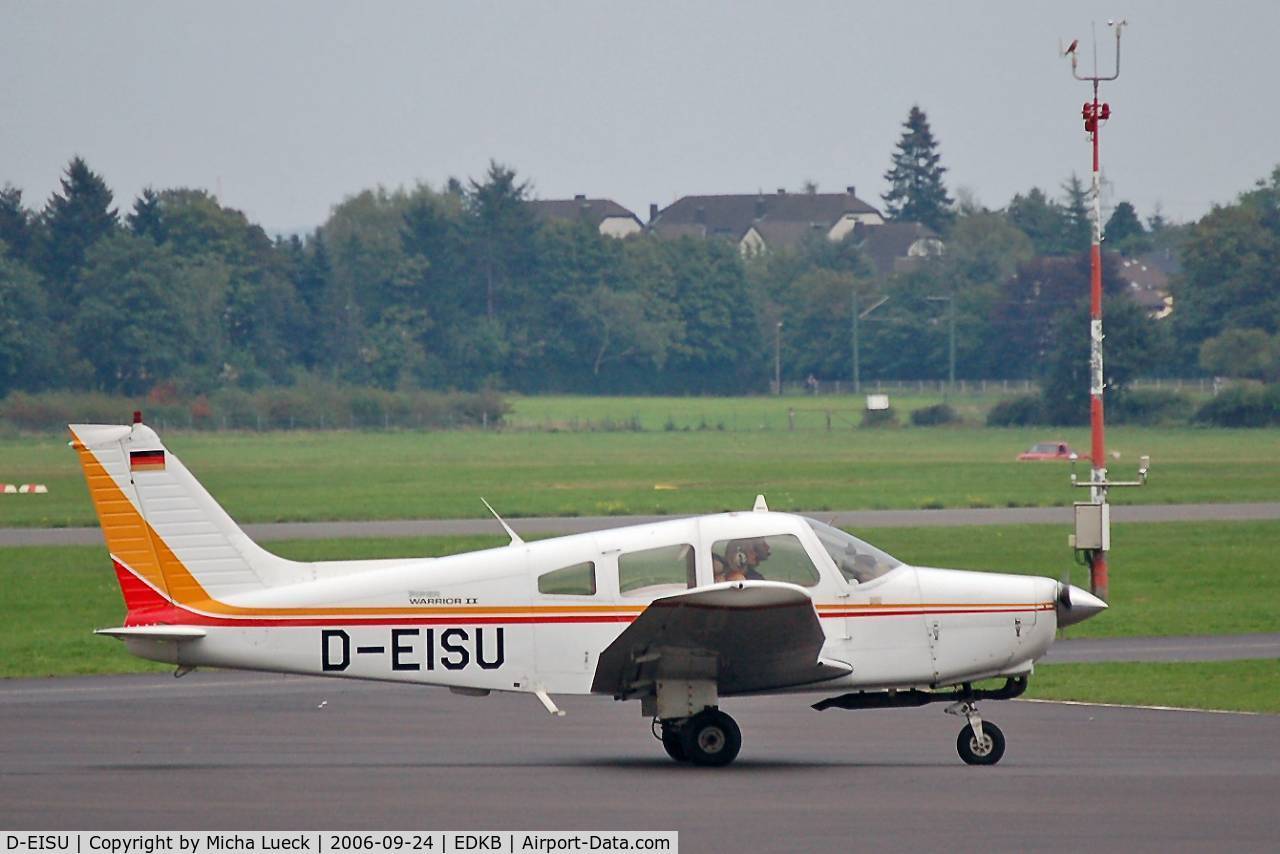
(864, 567)
(741, 560)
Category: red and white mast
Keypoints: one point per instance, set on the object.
(1094, 114)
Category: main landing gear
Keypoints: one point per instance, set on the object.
(709, 738)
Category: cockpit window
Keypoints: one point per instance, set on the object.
(857, 561)
(777, 558)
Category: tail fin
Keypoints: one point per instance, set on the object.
(166, 534)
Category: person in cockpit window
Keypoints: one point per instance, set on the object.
(741, 561)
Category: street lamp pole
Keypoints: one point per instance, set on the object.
(857, 371)
(860, 315)
(951, 340)
(777, 358)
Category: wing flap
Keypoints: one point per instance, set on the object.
(746, 635)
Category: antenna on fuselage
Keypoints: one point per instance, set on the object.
(515, 538)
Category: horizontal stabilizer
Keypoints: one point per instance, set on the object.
(754, 635)
(159, 633)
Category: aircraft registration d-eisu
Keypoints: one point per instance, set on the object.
(676, 614)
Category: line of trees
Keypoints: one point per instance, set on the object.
(459, 287)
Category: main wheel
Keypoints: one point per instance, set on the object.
(711, 738)
(986, 751)
(673, 741)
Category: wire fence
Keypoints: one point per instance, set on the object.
(1202, 385)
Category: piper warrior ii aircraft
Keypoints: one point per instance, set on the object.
(676, 614)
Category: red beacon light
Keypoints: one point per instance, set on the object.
(1092, 114)
(137, 416)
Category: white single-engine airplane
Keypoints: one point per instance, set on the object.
(676, 614)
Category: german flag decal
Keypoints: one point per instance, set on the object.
(146, 461)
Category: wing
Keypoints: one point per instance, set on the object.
(746, 635)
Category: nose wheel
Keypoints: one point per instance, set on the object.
(980, 742)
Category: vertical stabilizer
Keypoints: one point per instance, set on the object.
(163, 528)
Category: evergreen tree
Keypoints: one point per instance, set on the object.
(1039, 218)
(1077, 221)
(15, 223)
(28, 352)
(916, 192)
(501, 227)
(1124, 232)
(76, 219)
(1156, 223)
(130, 290)
(314, 272)
(146, 219)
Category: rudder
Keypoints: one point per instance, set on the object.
(162, 528)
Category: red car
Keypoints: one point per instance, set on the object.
(1050, 451)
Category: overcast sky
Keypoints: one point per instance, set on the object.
(285, 108)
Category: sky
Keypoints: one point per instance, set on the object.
(284, 109)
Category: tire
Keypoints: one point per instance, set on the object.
(673, 742)
(711, 738)
(987, 753)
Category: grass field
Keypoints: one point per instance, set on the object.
(1238, 686)
(759, 412)
(357, 475)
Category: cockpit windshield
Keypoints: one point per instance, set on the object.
(857, 561)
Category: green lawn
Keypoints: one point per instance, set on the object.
(356, 475)
(759, 412)
(547, 412)
(1168, 579)
(1240, 686)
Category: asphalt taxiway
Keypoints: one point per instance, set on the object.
(233, 751)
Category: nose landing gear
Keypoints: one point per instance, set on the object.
(979, 743)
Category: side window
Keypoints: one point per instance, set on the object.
(576, 580)
(777, 558)
(640, 571)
